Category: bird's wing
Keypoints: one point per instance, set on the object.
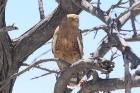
(54, 43)
(54, 40)
(80, 44)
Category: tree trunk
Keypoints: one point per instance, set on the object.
(7, 68)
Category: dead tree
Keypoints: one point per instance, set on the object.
(15, 52)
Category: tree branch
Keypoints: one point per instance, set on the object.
(8, 28)
(132, 39)
(109, 84)
(41, 75)
(99, 64)
(32, 65)
(44, 29)
(104, 27)
(98, 4)
(93, 10)
(130, 9)
(133, 20)
(41, 10)
(116, 5)
(120, 43)
(42, 68)
(103, 48)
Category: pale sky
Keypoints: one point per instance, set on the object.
(25, 14)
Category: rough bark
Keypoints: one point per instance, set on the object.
(100, 64)
(109, 84)
(6, 69)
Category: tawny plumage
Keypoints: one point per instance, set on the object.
(67, 41)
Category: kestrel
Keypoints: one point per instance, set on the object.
(67, 41)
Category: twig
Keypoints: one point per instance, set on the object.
(130, 9)
(122, 7)
(40, 76)
(124, 34)
(129, 30)
(104, 27)
(42, 68)
(41, 10)
(41, 55)
(98, 4)
(32, 65)
(116, 6)
(91, 9)
(133, 20)
(95, 34)
(8, 28)
(113, 54)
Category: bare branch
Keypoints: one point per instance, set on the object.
(132, 39)
(116, 6)
(99, 64)
(113, 54)
(129, 30)
(8, 28)
(110, 84)
(93, 10)
(32, 65)
(121, 44)
(42, 68)
(103, 48)
(94, 3)
(130, 9)
(133, 20)
(98, 4)
(41, 76)
(41, 10)
(41, 55)
(104, 27)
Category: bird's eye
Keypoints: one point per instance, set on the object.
(77, 20)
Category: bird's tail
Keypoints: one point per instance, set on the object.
(75, 80)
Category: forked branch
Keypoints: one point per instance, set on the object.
(32, 65)
(100, 64)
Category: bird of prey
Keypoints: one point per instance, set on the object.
(67, 41)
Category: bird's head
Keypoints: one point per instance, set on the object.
(71, 19)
